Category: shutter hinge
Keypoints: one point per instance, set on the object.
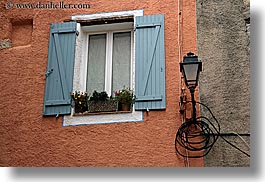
(148, 25)
(48, 72)
(77, 33)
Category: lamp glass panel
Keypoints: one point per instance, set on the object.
(190, 72)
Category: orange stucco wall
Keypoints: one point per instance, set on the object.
(28, 139)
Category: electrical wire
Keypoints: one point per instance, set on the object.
(242, 139)
(200, 136)
(219, 133)
(186, 159)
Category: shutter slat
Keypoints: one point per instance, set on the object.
(63, 30)
(57, 102)
(150, 98)
(61, 56)
(150, 63)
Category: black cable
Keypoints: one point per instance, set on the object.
(235, 146)
(199, 136)
(196, 136)
(219, 133)
(232, 134)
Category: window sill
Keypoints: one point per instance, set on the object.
(103, 118)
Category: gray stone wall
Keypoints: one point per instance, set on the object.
(223, 47)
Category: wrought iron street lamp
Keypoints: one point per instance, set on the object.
(191, 68)
(196, 136)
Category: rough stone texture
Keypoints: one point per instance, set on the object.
(4, 44)
(223, 46)
(28, 139)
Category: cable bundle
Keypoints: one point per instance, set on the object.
(199, 136)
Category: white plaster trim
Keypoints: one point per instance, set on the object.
(136, 116)
(107, 15)
(78, 57)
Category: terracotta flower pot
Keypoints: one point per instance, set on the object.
(126, 107)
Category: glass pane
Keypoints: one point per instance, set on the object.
(191, 72)
(96, 63)
(121, 61)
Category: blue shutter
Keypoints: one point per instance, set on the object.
(60, 69)
(150, 63)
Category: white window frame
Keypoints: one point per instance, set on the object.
(80, 68)
(109, 52)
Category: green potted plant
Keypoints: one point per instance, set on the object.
(126, 98)
(101, 102)
(80, 101)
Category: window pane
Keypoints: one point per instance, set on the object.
(96, 63)
(121, 61)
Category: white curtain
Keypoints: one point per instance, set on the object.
(96, 63)
(121, 61)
